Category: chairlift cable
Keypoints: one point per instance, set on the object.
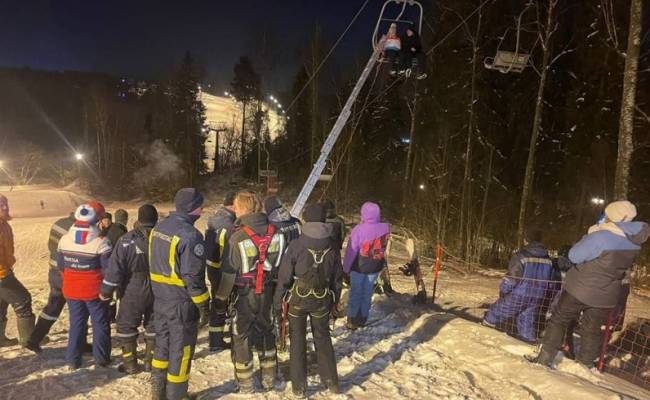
(311, 78)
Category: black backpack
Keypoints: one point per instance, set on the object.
(315, 277)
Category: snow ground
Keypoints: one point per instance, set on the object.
(406, 351)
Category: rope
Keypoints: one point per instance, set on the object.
(363, 6)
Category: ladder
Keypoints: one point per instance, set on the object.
(300, 202)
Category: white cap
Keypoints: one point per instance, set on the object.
(620, 211)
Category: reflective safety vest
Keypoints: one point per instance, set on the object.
(262, 245)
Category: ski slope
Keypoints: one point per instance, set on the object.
(407, 351)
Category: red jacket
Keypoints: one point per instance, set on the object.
(82, 256)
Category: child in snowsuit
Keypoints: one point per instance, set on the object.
(128, 273)
(312, 275)
(523, 289)
(83, 257)
(365, 257)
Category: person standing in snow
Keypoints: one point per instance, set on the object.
(118, 228)
(593, 287)
(253, 252)
(83, 256)
(412, 49)
(392, 48)
(221, 284)
(365, 258)
(105, 224)
(11, 290)
(311, 274)
(524, 288)
(128, 273)
(55, 300)
(181, 298)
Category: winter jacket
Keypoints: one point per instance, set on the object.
(288, 225)
(128, 270)
(311, 264)
(57, 231)
(412, 42)
(529, 272)
(602, 259)
(215, 236)
(393, 43)
(177, 262)
(368, 241)
(82, 257)
(7, 259)
(241, 254)
(115, 232)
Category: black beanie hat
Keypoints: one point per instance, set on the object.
(122, 216)
(314, 213)
(147, 216)
(229, 199)
(271, 203)
(188, 200)
(108, 216)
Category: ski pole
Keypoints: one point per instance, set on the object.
(436, 271)
(608, 333)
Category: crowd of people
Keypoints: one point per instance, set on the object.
(254, 270)
(582, 288)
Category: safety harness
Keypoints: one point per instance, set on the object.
(262, 244)
(314, 282)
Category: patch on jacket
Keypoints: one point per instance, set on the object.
(199, 250)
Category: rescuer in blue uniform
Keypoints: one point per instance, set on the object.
(181, 299)
(221, 284)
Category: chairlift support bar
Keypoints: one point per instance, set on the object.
(375, 35)
(334, 134)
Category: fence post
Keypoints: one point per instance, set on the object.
(436, 271)
(606, 336)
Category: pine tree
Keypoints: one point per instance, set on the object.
(188, 119)
(246, 87)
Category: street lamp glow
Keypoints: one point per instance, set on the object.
(226, 94)
(597, 201)
(79, 156)
(271, 97)
(279, 105)
(422, 187)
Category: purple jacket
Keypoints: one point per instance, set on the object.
(368, 236)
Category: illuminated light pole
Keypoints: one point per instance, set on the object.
(597, 201)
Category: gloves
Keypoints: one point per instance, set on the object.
(204, 313)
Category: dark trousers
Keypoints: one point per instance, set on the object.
(392, 56)
(13, 292)
(218, 309)
(298, 346)
(591, 328)
(131, 315)
(253, 327)
(408, 56)
(98, 312)
(52, 310)
(177, 327)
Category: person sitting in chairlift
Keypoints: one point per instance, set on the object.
(412, 49)
(392, 48)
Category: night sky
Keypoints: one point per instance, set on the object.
(143, 39)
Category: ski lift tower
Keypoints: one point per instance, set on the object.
(342, 119)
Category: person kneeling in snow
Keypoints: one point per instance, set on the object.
(523, 289)
(594, 285)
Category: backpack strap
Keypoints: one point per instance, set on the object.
(262, 244)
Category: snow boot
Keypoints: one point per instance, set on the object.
(217, 343)
(149, 348)
(544, 357)
(39, 334)
(159, 386)
(351, 325)
(245, 386)
(5, 341)
(25, 329)
(298, 392)
(333, 387)
(129, 358)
